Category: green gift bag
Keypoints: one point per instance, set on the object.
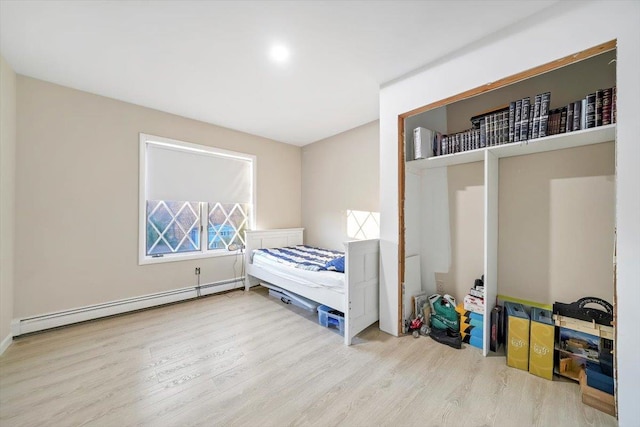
(444, 315)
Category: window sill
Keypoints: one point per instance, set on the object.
(146, 260)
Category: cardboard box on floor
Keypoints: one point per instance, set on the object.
(595, 398)
(517, 336)
(541, 343)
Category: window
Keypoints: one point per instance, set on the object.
(172, 227)
(195, 201)
(363, 225)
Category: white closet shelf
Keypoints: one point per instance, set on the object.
(550, 143)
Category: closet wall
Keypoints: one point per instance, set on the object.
(542, 36)
(556, 211)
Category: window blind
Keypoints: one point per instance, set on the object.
(182, 173)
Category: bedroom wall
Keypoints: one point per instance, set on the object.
(77, 197)
(7, 197)
(459, 72)
(339, 173)
(465, 187)
(557, 216)
(557, 224)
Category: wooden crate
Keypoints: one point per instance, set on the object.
(595, 398)
(591, 328)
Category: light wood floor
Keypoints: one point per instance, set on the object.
(246, 359)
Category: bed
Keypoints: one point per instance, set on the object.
(357, 297)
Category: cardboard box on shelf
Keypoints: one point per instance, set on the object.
(472, 321)
(473, 304)
(470, 314)
(476, 331)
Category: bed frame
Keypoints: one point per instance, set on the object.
(359, 303)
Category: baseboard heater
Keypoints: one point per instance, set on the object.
(67, 317)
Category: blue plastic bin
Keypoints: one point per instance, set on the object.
(329, 318)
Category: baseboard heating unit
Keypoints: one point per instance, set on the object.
(67, 317)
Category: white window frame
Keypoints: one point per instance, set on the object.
(204, 252)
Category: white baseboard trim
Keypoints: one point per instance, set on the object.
(6, 342)
(82, 314)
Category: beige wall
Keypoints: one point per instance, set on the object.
(77, 197)
(555, 228)
(7, 193)
(556, 224)
(562, 84)
(338, 174)
(466, 221)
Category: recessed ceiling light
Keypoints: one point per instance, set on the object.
(279, 53)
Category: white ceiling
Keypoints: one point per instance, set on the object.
(207, 60)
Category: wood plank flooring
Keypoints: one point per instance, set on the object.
(246, 359)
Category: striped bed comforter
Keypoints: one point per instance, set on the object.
(302, 256)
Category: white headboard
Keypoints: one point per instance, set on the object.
(276, 238)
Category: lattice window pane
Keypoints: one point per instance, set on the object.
(160, 217)
(161, 247)
(227, 223)
(363, 225)
(172, 226)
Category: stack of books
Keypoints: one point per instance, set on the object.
(523, 120)
(595, 109)
(493, 127)
(487, 130)
(520, 120)
(530, 121)
(467, 140)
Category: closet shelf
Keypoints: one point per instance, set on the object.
(550, 143)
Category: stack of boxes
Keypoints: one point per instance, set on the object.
(471, 312)
(541, 343)
(530, 345)
(474, 301)
(471, 326)
(595, 374)
(530, 340)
